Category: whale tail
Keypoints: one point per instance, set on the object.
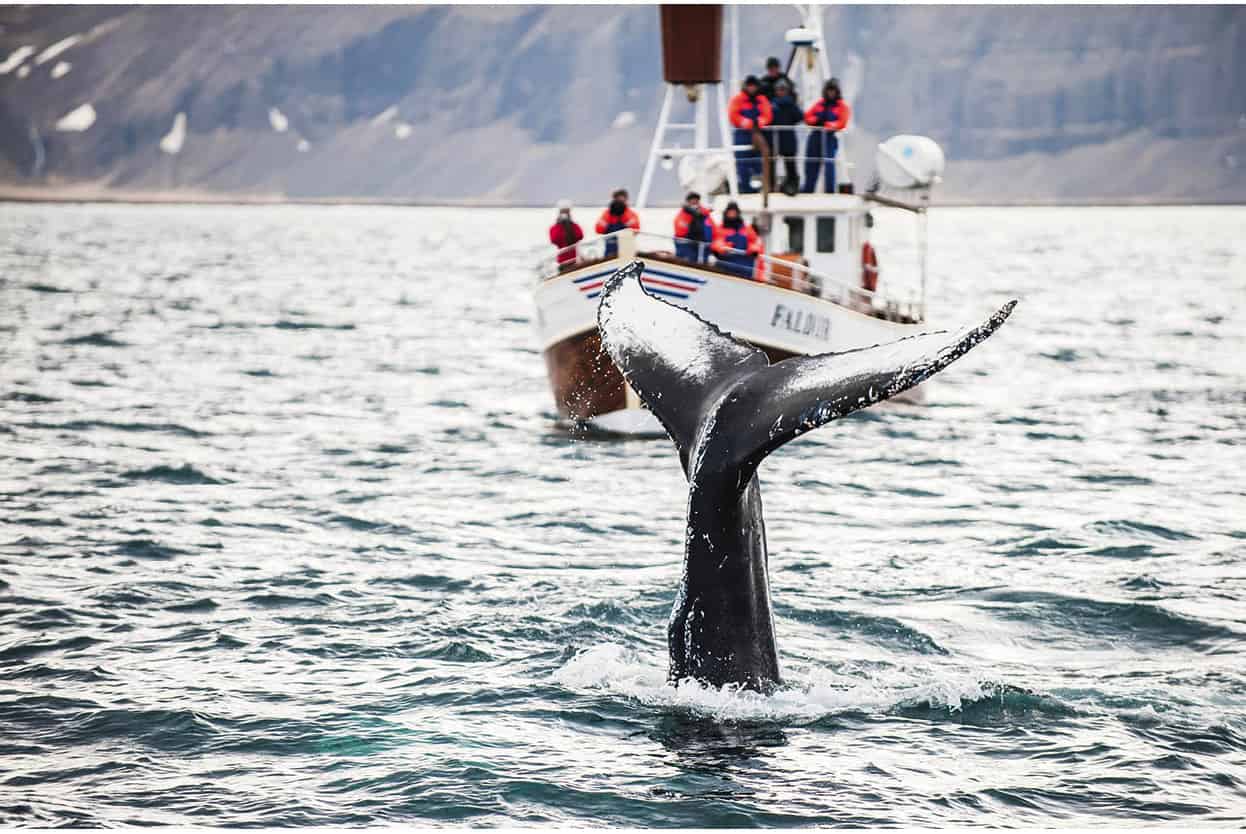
(713, 392)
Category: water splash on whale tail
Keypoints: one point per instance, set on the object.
(712, 391)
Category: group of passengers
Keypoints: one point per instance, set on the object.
(733, 243)
(617, 216)
(771, 102)
(764, 113)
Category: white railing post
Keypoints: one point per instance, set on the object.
(728, 142)
(659, 136)
(627, 244)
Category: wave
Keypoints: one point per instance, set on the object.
(286, 324)
(148, 549)
(87, 425)
(193, 606)
(1125, 526)
(880, 630)
(1114, 620)
(99, 339)
(184, 475)
(28, 397)
(804, 699)
(25, 650)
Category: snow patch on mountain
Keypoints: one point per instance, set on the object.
(15, 59)
(57, 48)
(77, 120)
(172, 142)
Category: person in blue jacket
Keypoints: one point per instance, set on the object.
(736, 244)
(694, 230)
(787, 115)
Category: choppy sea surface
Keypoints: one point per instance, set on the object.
(288, 536)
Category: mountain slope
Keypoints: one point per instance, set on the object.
(528, 104)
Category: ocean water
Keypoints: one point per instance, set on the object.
(289, 535)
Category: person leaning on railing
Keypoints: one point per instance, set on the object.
(694, 230)
(736, 244)
(786, 116)
(749, 110)
(565, 234)
(617, 217)
(829, 114)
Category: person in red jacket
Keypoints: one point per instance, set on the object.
(565, 234)
(736, 244)
(828, 114)
(749, 110)
(617, 217)
(694, 228)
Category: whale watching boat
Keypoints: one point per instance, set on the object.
(815, 290)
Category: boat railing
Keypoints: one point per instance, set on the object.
(571, 257)
(769, 269)
(776, 137)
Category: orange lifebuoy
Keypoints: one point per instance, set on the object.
(869, 268)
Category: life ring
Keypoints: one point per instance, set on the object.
(869, 267)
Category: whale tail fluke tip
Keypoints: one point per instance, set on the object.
(696, 379)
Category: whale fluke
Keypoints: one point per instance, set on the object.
(686, 370)
(676, 362)
(726, 407)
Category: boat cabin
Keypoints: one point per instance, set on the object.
(826, 231)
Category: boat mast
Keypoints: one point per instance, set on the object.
(735, 46)
(692, 60)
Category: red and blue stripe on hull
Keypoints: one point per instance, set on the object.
(657, 281)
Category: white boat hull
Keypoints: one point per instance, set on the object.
(782, 322)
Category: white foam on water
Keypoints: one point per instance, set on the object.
(61, 69)
(278, 120)
(625, 119)
(57, 48)
(172, 142)
(303, 146)
(625, 672)
(16, 57)
(402, 130)
(23, 71)
(77, 120)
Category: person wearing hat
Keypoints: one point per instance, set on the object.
(749, 110)
(787, 115)
(565, 234)
(693, 230)
(774, 74)
(736, 244)
(828, 114)
(617, 217)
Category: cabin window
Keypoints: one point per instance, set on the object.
(826, 234)
(795, 234)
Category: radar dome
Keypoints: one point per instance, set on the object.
(909, 162)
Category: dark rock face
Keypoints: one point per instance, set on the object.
(528, 104)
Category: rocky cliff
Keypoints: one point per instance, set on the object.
(528, 104)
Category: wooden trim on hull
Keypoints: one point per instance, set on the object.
(585, 381)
